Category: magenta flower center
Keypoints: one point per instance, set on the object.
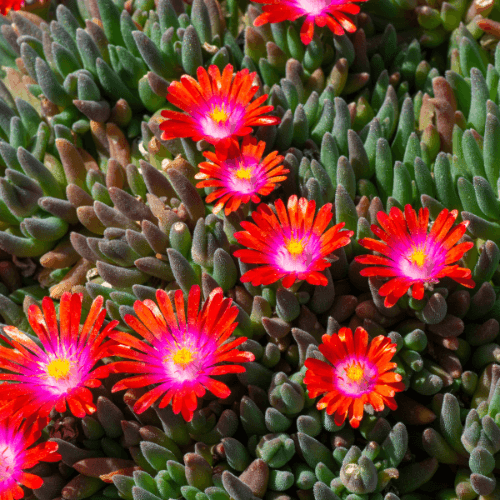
(355, 377)
(8, 462)
(62, 372)
(313, 7)
(219, 119)
(187, 357)
(183, 365)
(243, 175)
(297, 254)
(420, 261)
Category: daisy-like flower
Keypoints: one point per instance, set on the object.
(59, 371)
(358, 372)
(291, 244)
(413, 256)
(8, 5)
(180, 352)
(216, 107)
(240, 175)
(331, 13)
(17, 455)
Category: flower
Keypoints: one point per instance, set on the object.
(413, 257)
(216, 108)
(239, 174)
(179, 352)
(358, 372)
(16, 456)
(291, 244)
(7, 5)
(60, 371)
(331, 13)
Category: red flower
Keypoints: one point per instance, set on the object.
(216, 108)
(239, 174)
(290, 244)
(60, 371)
(16, 456)
(412, 256)
(7, 5)
(331, 13)
(180, 353)
(358, 372)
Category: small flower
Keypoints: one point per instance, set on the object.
(179, 352)
(239, 174)
(7, 5)
(60, 371)
(291, 244)
(412, 256)
(358, 372)
(217, 107)
(16, 456)
(331, 13)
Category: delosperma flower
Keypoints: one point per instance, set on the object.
(8, 5)
(18, 455)
(180, 352)
(216, 107)
(240, 174)
(330, 13)
(413, 256)
(357, 372)
(62, 370)
(290, 244)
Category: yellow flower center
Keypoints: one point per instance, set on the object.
(183, 357)
(418, 257)
(58, 368)
(355, 372)
(219, 114)
(244, 173)
(295, 246)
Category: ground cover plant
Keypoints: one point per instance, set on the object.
(249, 250)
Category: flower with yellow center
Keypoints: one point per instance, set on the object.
(413, 256)
(216, 108)
(295, 246)
(418, 257)
(59, 368)
(59, 373)
(357, 371)
(180, 350)
(219, 114)
(289, 243)
(183, 357)
(244, 173)
(239, 174)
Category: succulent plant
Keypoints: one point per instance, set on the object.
(403, 112)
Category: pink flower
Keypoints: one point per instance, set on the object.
(240, 175)
(331, 13)
(216, 107)
(413, 256)
(17, 455)
(290, 244)
(358, 371)
(180, 353)
(61, 371)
